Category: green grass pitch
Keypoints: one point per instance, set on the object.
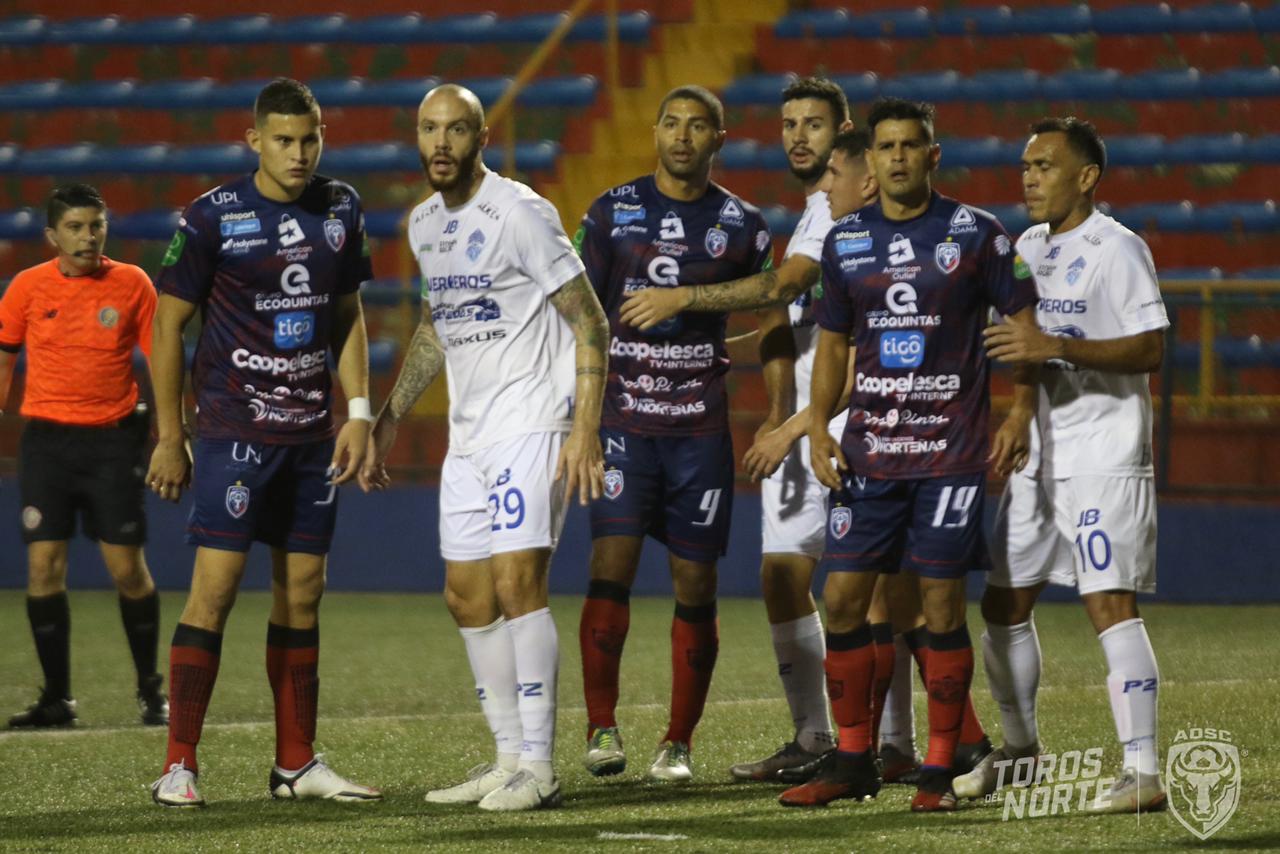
(397, 711)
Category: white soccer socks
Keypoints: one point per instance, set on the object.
(1011, 655)
(800, 648)
(898, 721)
(1133, 685)
(493, 663)
(537, 666)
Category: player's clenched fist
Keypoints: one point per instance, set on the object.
(170, 469)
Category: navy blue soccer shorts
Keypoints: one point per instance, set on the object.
(281, 495)
(676, 489)
(931, 526)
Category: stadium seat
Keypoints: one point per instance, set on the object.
(1145, 149)
(858, 88)
(1053, 20)
(1214, 18)
(1162, 85)
(1242, 83)
(1021, 84)
(1086, 84)
(738, 154)
(979, 21)
(749, 89)
(146, 225)
(1263, 273)
(212, 159)
(1171, 217)
(781, 221)
(825, 23)
(1267, 18)
(1245, 216)
(1140, 19)
(1175, 274)
(23, 224)
(1264, 149)
(1207, 148)
(1013, 217)
(936, 86)
(904, 24)
(981, 152)
(23, 30)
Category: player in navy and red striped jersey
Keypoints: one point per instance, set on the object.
(274, 261)
(668, 454)
(911, 278)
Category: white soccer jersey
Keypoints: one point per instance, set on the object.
(488, 268)
(1096, 281)
(807, 241)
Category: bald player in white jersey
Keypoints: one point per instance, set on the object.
(508, 311)
(1083, 511)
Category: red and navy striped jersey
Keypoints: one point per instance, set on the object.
(915, 294)
(266, 276)
(668, 380)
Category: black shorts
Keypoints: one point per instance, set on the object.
(96, 471)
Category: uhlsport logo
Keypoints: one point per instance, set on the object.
(1203, 772)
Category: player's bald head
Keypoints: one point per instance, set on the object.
(454, 101)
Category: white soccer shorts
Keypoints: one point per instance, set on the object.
(794, 506)
(1092, 533)
(502, 498)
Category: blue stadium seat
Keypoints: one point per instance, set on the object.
(900, 24)
(213, 159)
(1259, 273)
(1053, 20)
(1208, 148)
(979, 152)
(1013, 217)
(827, 23)
(1247, 216)
(780, 220)
(981, 21)
(309, 29)
(938, 87)
(858, 88)
(1021, 84)
(382, 355)
(526, 28)
(1267, 18)
(579, 91)
(773, 157)
(1242, 83)
(371, 157)
(102, 29)
(237, 29)
(530, 156)
(22, 224)
(1135, 20)
(633, 27)
(9, 154)
(29, 94)
(168, 30)
(1144, 149)
(132, 159)
(748, 89)
(401, 92)
(1173, 217)
(1264, 149)
(390, 291)
(343, 92)
(23, 30)
(1182, 274)
(1161, 85)
(58, 160)
(1085, 84)
(1214, 18)
(398, 29)
(174, 94)
(146, 225)
(739, 154)
(383, 223)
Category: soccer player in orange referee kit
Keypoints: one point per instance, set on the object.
(83, 450)
(274, 260)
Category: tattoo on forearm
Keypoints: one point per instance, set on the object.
(421, 364)
(754, 292)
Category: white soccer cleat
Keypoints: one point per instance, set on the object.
(481, 780)
(1132, 792)
(318, 780)
(671, 764)
(984, 779)
(605, 754)
(522, 792)
(177, 788)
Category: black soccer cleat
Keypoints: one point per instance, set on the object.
(46, 712)
(967, 756)
(153, 705)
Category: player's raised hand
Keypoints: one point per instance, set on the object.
(581, 465)
(373, 474)
(1020, 342)
(1011, 446)
(170, 470)
(350, 450)
(648, 307)
(770, 448)
(823, 450)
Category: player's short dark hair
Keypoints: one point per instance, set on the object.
(821, 89)
(900, 109)
(703, 96)
(285, 96)
(68, 196)
(852, 143)
(1081, 135)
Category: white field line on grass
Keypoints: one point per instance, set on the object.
(646, 837)
(77, 731)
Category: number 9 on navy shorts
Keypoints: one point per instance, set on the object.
(281, 495)
(931, 526)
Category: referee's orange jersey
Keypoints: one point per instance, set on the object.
(79, 332)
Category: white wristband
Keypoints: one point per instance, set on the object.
(358, 409)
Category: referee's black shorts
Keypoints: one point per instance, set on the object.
(97, 472)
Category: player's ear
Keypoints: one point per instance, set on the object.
(720, 138)
(51, 236)
(870, 186)
(845, 125)
(254, 139)
(935, 156)
(484, 136)
(1089, 177)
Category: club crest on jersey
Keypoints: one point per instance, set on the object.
(841, 521)
(731, 212)
(1003, 247)
(237, 499)
(1074, 270)
(947, 257)
(613, 483)
(717, 241)
(475, 245)
(900, 251)
(335, 234)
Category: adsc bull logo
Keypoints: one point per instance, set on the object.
(1203, 770)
